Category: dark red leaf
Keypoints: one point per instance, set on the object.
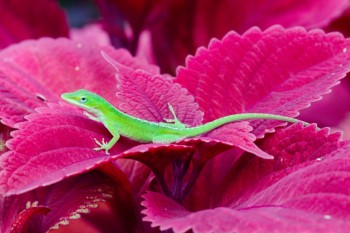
(174, 37)
(78, 205)
(21, 20)
(21, 222)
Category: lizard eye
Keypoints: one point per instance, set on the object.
(83, 99)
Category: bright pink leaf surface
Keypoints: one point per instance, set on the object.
(34, 73)
(22, 20)
(147, 95)
(277, 71)
(57, 141)
(305, 189)
(56, 144)
(229, 136)
(295, 148)
(50, 146)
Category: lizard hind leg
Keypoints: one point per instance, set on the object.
(175, 122)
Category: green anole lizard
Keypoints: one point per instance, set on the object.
(119, 123)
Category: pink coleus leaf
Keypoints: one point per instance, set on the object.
(295, 148)
(140, 177)
(53, 144)
(173, 37)
(278, 71)
(19, 17)
(226, 168)
(62, 136)
(21, 222)
(241, 15)
(63, 141)
(305, 188)
(227, 137)
(147, 96)
(165, 213)
(34, 73)
(330, 112)
(16, 102)
(58, 142)
(157, 157)
(66, 205)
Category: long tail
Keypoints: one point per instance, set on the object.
(195, 131)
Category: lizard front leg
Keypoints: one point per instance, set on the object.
(106, 146)
(91, 117)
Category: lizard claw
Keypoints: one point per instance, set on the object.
(102, 145)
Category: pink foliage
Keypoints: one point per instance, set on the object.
(43, 68)
(267, 72)
(179, 27)
(303, 189)
(248, 176)
(61, 204)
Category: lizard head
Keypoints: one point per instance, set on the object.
(83, 99)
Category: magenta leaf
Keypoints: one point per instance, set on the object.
(330, 112)
(173, 37)
(245, 14)
(35, 73)
(227, 137)
(157, 157)
(306, 183)
(166, 214)
(58, 142)
(21, 222)
(18, 17)
(278, 71)
(140, 177)
(16, 102)
(52, 145)
(66, 205)
(301, 148)
(147, 95)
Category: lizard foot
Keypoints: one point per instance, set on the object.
(102, 145)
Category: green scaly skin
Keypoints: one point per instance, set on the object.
(119, 123)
